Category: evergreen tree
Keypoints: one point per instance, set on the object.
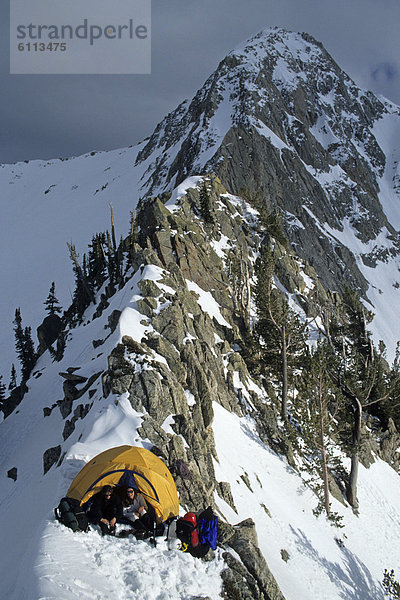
(361, 374)
(29, 354)
(24, 346)
(239, 277)
(282, 334)
(390, 585)
(205, 204)
(19, 334)
(133, 235)
(111, 262)
(315, 411)
(83, 294)
(13, 378)
(97, 261)
(120, 262)
(2, 392)
(52, 304)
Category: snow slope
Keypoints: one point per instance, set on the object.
(42, 560)
(325, 562)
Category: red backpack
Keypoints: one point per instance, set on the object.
(186, 530)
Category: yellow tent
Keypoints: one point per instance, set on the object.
(133, 466)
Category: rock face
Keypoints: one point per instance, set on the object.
(48, 332)
(188, 359)
(281, 119)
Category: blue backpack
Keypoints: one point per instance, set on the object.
(208, 528)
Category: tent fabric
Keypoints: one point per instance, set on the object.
(126, 464)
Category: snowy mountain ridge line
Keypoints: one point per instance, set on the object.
(48, 203)
(322, 563)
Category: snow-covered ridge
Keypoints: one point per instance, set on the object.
(46, 204)
(51, 561)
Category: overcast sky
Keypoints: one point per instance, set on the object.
(46, 116)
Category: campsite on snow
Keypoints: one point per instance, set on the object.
(205, 398)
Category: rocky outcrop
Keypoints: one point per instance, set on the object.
(248, 578)
(48, 332)
(389, 446)
(50, 457)
(189, 359)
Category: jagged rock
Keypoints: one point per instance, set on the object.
(97, 343)
(246, 480)
(154, 392)
(225, 532)
(335, 489)
(71, 393)
(68, 429)
(254, 562)
(132, 346)
(80, 412)
(163, 347)
(247, 530)
(15, 397)
(389, 446)
(65, 407)
(149, 288)
(368, 449)
(150, 429)
(285, 555)
(73, 378)
(147, 306)
(224, 491)
(50, 457)
(12, 473)
(169, 324)
(113, 320)
(48, 332)
(238, 583)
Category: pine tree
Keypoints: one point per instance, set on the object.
(18, 333)
(361, 374)
(133, 235)
(390, 585)
(120, 262)
(13, 378)
(24, 346)
(111, 261)
(97, 261)
(52, 304)
(315, 411)
(205, 204)
(239, 277)
(83, 294)
(2, 392)
(282, 334)
(29, 354)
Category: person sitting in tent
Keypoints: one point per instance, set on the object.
(105, 510)
(127, 467)
(136, 512)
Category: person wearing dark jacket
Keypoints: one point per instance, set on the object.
(105, 510)
(136, 512)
